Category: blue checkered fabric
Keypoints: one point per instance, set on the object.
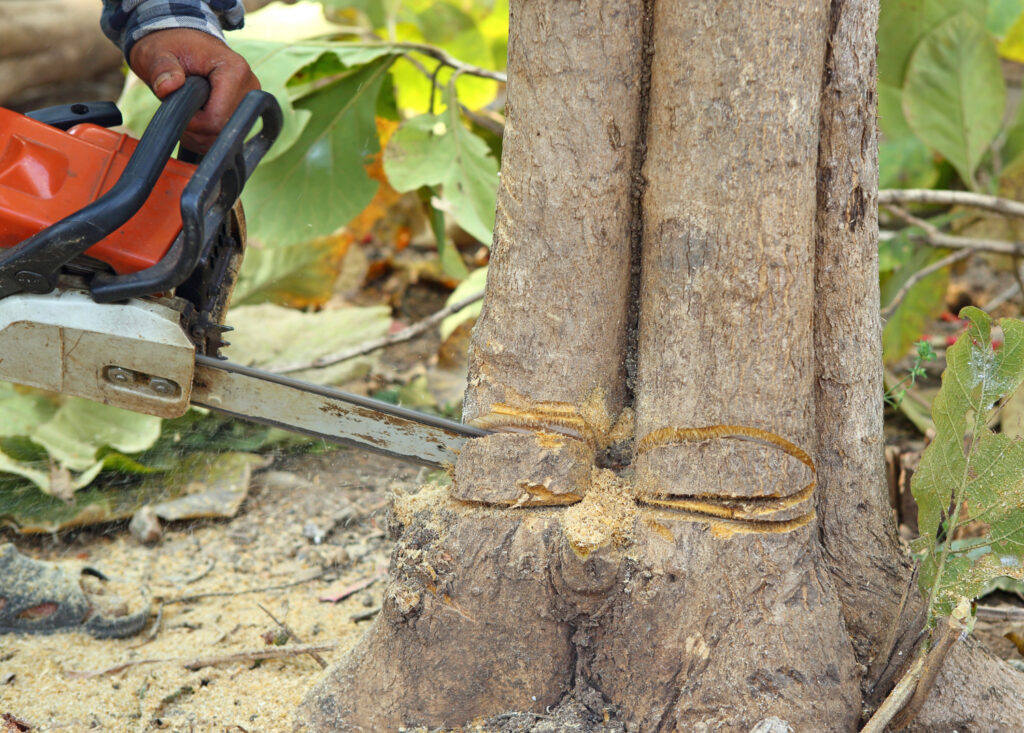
(126, 21)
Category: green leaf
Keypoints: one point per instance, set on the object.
(282, 68)
(269, 335)
(1013, 145)
(40, 479)
(1002, 14)
(21, 411)
(298, 271)
(967, 465)
(431, 150)
(320, 183)
(80, 428)
(475, 283)
(890, 113)
(902, 24)
(923, 302)
(906, 163)
(903, 160)
(954, 94)
(448, 253)
(894, 253)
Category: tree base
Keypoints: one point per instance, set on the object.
(494, 610)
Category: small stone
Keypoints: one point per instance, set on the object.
(145, 526)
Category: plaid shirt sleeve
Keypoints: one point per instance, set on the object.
(126, 21)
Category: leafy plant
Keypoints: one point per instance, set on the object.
(895, 394)
(969, 474)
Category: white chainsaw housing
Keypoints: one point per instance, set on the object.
(132, 355)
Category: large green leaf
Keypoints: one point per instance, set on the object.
(431, 150)
(902, 23)
(320, 183)
(282, 67)
(1013, 144)
(954, 94)
(968, 469)
(80, 428)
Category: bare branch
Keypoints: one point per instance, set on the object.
(450, 61)
(921, 275)
(899, 697)
(270, 652)
(995, 204)
(947, 634)
(365, 348)
(936, 238)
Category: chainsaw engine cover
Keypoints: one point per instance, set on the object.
(132, 355)
(47, 174)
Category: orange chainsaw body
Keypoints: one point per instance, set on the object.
(47, 174)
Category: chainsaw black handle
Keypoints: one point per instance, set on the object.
(31, 266)
(205, 202)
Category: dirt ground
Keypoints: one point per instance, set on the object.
(312, 526)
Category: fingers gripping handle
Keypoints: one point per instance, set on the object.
(211, 192)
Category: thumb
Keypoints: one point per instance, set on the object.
(164, 74)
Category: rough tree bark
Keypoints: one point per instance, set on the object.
(686, 239)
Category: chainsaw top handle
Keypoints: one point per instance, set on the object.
(32, 265)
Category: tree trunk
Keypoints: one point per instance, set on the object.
(680, 519)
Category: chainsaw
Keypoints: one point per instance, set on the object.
(117, 264)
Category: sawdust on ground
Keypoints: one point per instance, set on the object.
(316, 523)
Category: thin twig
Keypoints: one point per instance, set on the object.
(1002, 297)
(947, 633)
(270, 652)
(921, 275)
(450, 61)
(994, 204)
(219, 594)
(292, 635)
(365, 348)
(936, 238)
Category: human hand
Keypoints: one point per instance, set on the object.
(162, 59)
